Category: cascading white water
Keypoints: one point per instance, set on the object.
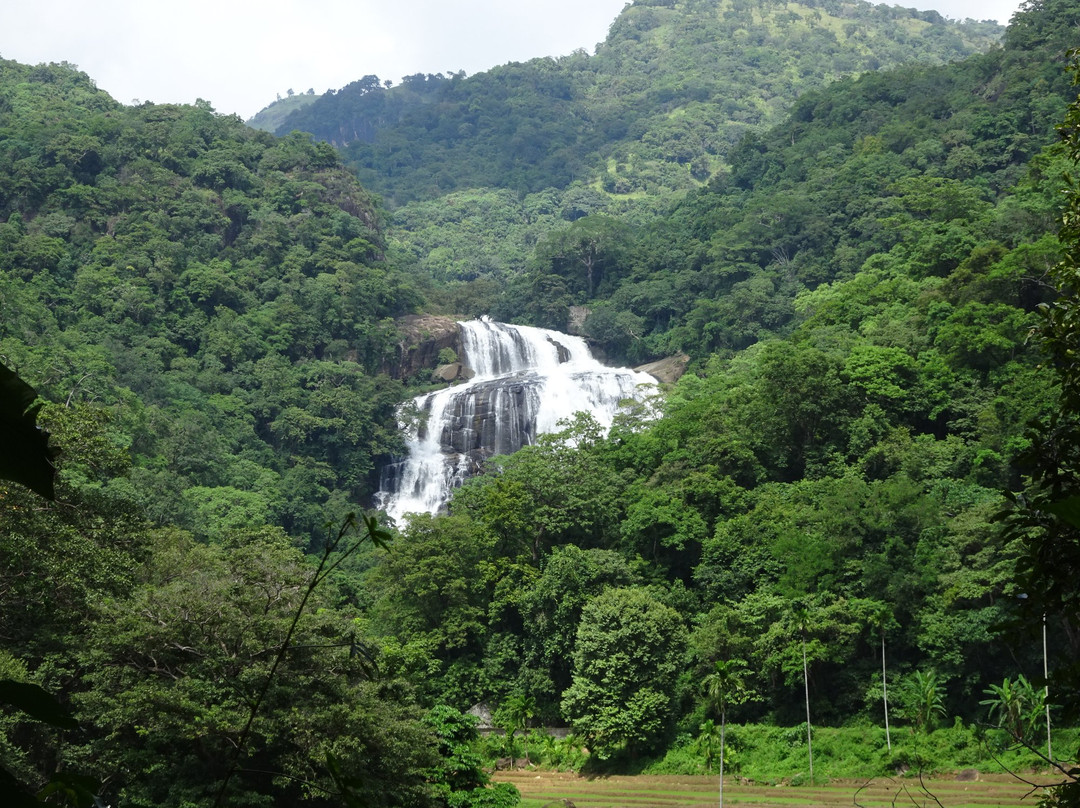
(526, 380)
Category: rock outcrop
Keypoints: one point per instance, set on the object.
(576, 323)
(423, 338)
(666, 370)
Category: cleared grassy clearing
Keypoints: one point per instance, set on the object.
(540, 789)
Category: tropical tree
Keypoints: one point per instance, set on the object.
(459, 779)
(923, 696)
(218, 639)
(725, 686)
(551, 610)
(801, 615)
(593, 246)
(1046, 518)
(710, 743)
(1016, 707)
(627, 658)
(881, 617)
(515, 715)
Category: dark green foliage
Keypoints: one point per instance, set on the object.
(460, 781)
(911, 163)
(551, 611)
(588, 252)
(27, 457)
(857, 304)
(432, 589)
(1043, 517)
(491, 163)
(172, 671)
(209, 311)
(161, 646)
(811, 200)
(627, 657)
(36, 703)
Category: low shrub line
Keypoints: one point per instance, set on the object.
(772, 755)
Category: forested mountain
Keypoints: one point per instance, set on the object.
(206, 309)
(209, 311)
(175, 260)
(665, 98)
(856, 288)
(895, 164)
(806, 203)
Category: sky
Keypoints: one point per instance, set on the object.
(241, 54)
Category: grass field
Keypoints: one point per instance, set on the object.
(561, 790)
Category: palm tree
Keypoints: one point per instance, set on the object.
(882, 616)
(724, 686)
(516, 712)
(801, 616)
(708, 742)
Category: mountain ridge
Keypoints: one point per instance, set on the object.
(673, 88)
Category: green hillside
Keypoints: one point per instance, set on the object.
(270, 117)
(175, 258)
(898, 164)
(805, 203)
(204, 310)
(665, 98)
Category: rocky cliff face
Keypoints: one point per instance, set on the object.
(423, 337)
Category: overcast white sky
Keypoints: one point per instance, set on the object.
(239, 54)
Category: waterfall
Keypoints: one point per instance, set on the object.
(526, 380)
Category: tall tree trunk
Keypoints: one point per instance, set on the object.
(806, 683)
(723, 726)
(885, 692)
(1046, 694)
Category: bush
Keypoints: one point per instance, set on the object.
(769, 754)
(560, 754)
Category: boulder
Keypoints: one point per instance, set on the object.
(447, 373)
(482, 713)
(666, 370)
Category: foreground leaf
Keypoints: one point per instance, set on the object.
(36, 703)
(25, 456)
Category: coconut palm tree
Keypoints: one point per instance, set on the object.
(725, 686)
(881, 617)
(801, 615)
